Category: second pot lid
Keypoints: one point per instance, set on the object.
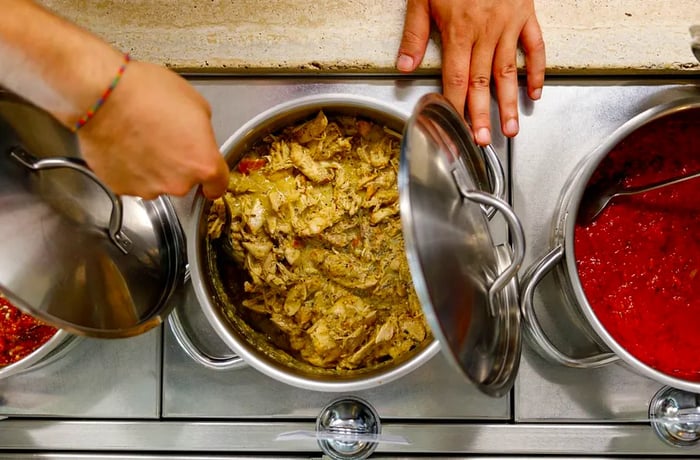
(466, 285)
(74, 254)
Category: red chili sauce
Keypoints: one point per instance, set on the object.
(639, 262)
(20, 334)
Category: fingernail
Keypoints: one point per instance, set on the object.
(511, 127)
(483, 136)
(536, 93)
(404, 63)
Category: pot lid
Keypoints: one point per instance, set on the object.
(466, 285)
(74, 254)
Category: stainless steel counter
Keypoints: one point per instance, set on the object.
(97, 456)
(135, 399)
(95, 379)
(239, 438)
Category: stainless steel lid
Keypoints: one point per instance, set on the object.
(466, 285)
(74, 254)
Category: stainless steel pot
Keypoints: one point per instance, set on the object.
(495, 373)
(560, 261)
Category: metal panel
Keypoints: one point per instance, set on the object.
(97, 456)
(231, 438)
(97, 378)
(211, 415)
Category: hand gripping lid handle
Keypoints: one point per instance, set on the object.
(116, 235)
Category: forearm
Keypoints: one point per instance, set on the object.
(51, 62)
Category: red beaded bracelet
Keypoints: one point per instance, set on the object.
(95, 107)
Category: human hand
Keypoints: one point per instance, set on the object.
(153, 136)
(479, 37)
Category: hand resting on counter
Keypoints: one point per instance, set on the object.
(479, 40)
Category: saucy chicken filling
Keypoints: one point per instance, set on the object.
(312, 215)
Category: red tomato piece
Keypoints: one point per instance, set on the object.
(248, 165)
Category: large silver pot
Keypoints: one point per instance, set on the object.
(561, 263)
(507, 345)
(233, 149)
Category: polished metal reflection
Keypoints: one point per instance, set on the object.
(86, 380)
(443, 187)
(675, 416)
(67, 260)
(346, 418)
(432, 439)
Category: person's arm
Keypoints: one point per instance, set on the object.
(479, 39)
(152, 135)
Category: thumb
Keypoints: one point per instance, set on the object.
(215, 185)
(416, 32)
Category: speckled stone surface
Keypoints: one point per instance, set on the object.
(253, 36)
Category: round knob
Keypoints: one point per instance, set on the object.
(675, 416)
(347, 428)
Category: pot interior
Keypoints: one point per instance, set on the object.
(265, 344)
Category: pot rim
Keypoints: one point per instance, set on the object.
(297, 108)
(574, 194)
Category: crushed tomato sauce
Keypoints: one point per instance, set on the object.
(639, 262)
(20, 334)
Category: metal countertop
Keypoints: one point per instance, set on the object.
(143, 398)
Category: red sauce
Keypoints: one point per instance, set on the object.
(639, 262)
(20, 334)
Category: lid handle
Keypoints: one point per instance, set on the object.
(516, 233)
(115, 220)
(497, 178)
(514, 227)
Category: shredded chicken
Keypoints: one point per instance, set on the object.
(315, 223)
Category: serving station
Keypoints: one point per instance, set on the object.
(178, 392)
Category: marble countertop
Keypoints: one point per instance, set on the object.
(362, 36)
